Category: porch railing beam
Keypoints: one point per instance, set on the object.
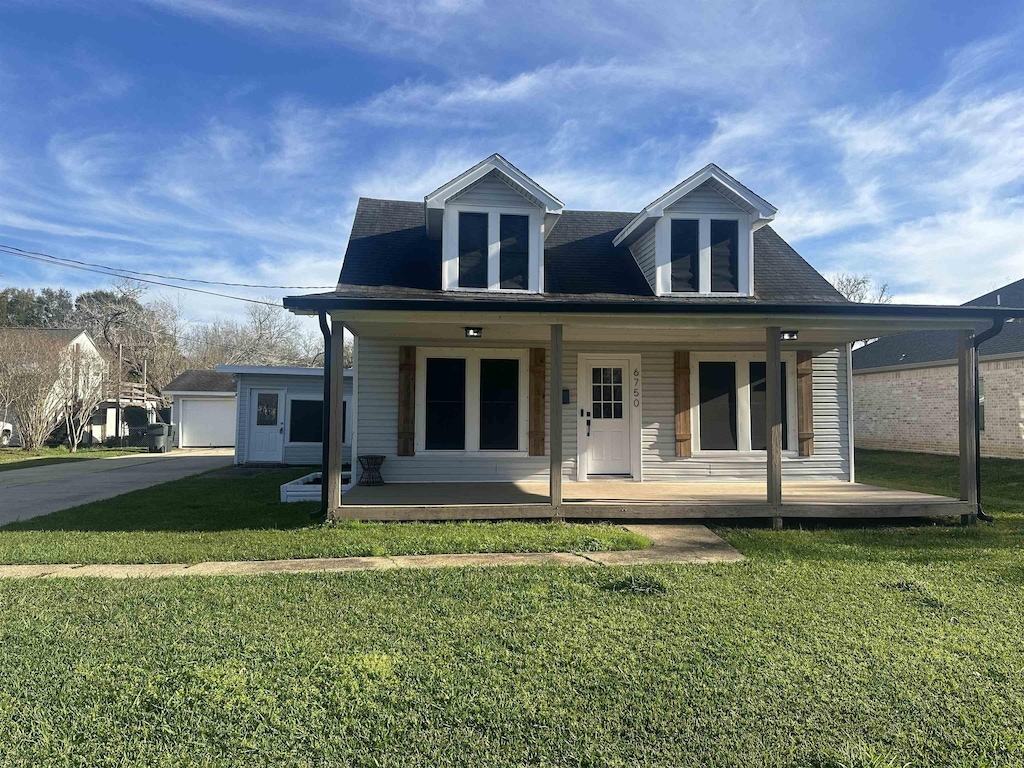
(773, 418)
(556, 417)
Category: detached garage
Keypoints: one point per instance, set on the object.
(203, 407)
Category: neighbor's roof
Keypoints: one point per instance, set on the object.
(67, 335)
(275, 370)
(389, 256)
(201, 381)
(923, 347)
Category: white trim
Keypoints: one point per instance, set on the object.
(353, 416)
(450, 247)
(765, 211)
(440, 196)
(663, 253)
(849, 407)
(473, 356)
(742, 360)
(584, 362)
(289, 398)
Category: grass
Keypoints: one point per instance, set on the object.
(838, 647)
(16, 458)
(222, 518)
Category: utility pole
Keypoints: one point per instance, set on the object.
(145, 400)
(117, 408)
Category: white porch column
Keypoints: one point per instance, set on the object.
(336, 436)
(556, 417)
(773, 418)
(966, 408)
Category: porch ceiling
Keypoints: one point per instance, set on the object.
(693, 330)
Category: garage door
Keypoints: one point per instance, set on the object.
(206, 423)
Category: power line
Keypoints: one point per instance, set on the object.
(164, 277)
(3, 249)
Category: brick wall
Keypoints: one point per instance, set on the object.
(916, 409)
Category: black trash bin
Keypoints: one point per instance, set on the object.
(158, 438)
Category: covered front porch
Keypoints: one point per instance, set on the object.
(611, 499)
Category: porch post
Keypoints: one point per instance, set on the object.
(336, 436)
(555, 475)
(968, 396)
(773, 418)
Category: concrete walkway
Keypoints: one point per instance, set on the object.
(694, 544)
(34, 491)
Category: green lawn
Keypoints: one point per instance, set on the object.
(842, 646)
(206, 518)
(16, 458)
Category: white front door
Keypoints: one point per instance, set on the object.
(267, 424)
(608, 449)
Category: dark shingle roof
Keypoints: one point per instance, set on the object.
(202, 381)
(934, 346)
(390, 256)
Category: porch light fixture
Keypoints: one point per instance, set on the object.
(789, 335)
(474, 333)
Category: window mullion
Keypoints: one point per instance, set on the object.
(743, 403)
(494, 250)
(704, 244)
(473, 402)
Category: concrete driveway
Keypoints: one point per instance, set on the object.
(35, 491)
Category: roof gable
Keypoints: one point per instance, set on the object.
(712, 177)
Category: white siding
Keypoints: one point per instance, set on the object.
(643, 252)
(492, 192)
(301, 387)
(831, 441)
(705, 200)
(378, 426)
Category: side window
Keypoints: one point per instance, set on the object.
(472, 250)
(685, 256)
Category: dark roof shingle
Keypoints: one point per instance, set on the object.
(202, 381)
(390, 256)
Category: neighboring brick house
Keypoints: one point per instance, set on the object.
(905, 388)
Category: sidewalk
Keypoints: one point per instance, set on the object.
(694, 544)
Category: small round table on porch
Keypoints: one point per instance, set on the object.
(371, 470)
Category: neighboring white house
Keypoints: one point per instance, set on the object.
(279, 415)
(203, 407)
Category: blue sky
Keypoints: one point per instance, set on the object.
(230, 140)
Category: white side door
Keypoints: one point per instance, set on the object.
(266, 425)
(608, 448)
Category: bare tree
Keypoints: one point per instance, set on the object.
(860, 288)
(81, 387)
(30, 364)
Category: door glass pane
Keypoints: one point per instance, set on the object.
(266, 409)
(499, 405)
(758, 407)
(514, 260)
(717, 406)
(685, 256)
(607, 397)
(472, 250)
(725, 256)
(446, 404)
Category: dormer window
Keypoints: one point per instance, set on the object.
(698, 238)
(492, 221)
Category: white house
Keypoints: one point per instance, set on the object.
(279, 414)
(517, 358)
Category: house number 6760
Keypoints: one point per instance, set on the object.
(636, 387)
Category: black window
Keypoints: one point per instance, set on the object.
(718, 406)
(515, 252)
(725, 256)
(266, 409)
(759, 405)
(472, 250)
(499, 405)
(446, 404)
(306, 421)
(685, 256)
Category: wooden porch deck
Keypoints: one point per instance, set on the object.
(631, 500)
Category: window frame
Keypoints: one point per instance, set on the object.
(742, 361)
(473, 356)
(289, 398)
(663, 253)
(450, 247)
